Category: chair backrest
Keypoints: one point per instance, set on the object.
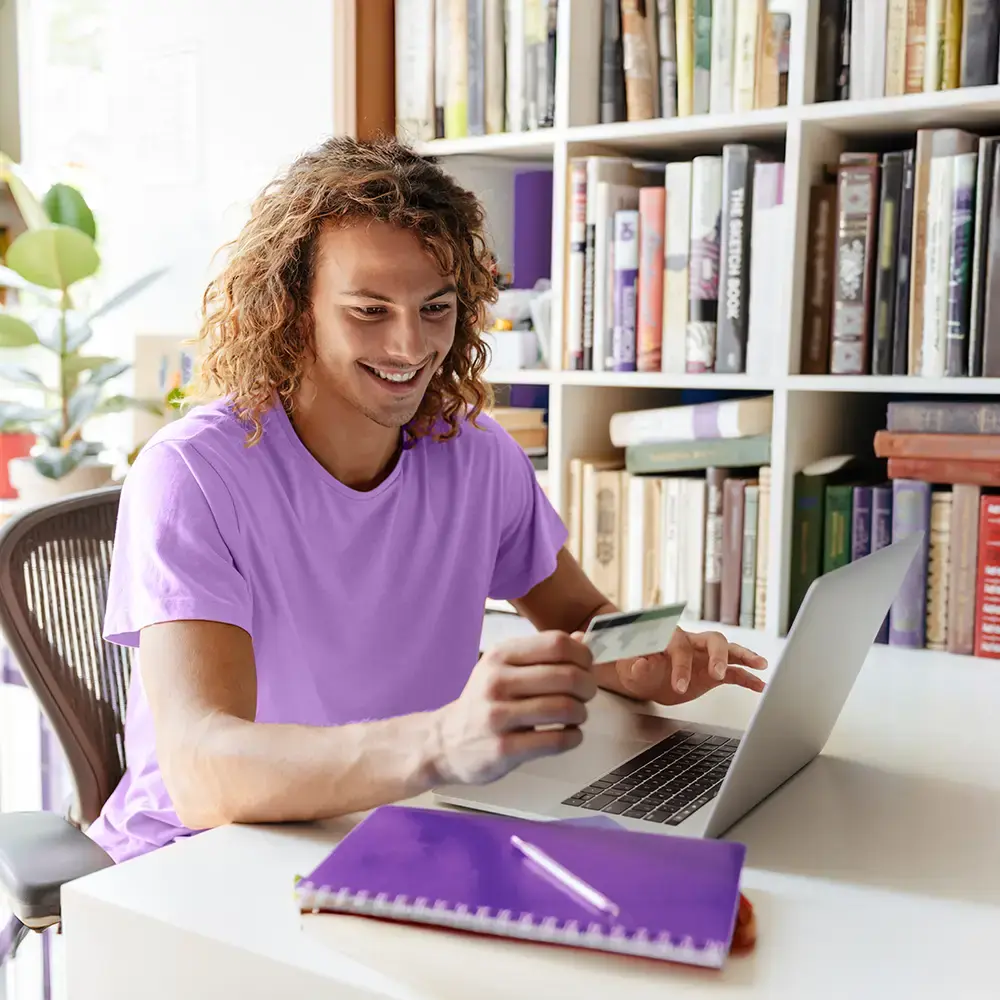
(54, 566)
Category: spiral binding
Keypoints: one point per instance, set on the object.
(505, 923)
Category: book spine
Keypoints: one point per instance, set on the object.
(639, 80)
(930, 417)
(577, 262)
(844, 67)
(857, 197)
(693, 541)
(934, 46)
(918, 249)
(626, 272)
(737, 208)
(684, 18)
(807, 539)
(613, 107)
(635, 543)
(768, 235)
(703, 264)
(885, 278)
(671, 541)
(652, 213)
(763, 547)
(414, 70)
(724, 418)
(723, 47)
(715, 479)
(733, 497)
(868, 49)
(904, 245)
(680, 456)
(456, 112)
(551, 36)
(956, 360)
(988, 580)
(827, 46)
(818, 310)
(932, 337)
(495, 92)
(980, 43)
(881, 536)
(895, 49)
(476, 41)
(861, 522)
(442, 25)
(589, 261)
(945, 471)
(536, 45)
(666, 24)
(516, 81)
(911, 502)
(748, 563)
(938, 447)
(702, 96)
(962, 569)
(990, 339)
(837, 527)
(951, 69)
(676, 256)
(916, 40)
(767, 83)
(749, 18)
(938, 554)
(981, 224)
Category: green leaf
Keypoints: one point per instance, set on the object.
(27, 204)
(118, 404)
(54, 463)
(15, 417)
(82, 405)
(15, 332)
(87, 362)
(129, 292)
(54, 257)
(65, 206)
(19, 375)
(107, 372)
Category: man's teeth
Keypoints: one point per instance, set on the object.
(395, 376)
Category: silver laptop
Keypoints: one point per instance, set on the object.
(657, 775)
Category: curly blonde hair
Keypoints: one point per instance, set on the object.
(258, 326)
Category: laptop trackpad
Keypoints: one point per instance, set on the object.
(593, 758)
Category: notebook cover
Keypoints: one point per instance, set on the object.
(678, 897)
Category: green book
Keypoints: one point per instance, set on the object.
(702, 56)
(684, 456)
(837, 526)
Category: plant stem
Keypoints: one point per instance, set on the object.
(63, 376)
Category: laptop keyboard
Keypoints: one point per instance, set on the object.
(666, 783)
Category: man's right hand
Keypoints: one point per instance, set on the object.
(539, 680)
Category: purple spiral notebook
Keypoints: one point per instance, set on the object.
(677, 897)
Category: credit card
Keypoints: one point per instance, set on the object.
(623, 635)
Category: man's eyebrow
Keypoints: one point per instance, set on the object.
(367, 293)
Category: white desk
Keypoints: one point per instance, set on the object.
(875, 873)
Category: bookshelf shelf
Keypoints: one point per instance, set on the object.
(521, 376)
(890, 384)
(533, 145)
(659, 380)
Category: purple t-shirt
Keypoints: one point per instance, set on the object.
(360, 605)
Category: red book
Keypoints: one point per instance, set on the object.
(945, 471)
(951, 447)
(652, 215)
(988, 580)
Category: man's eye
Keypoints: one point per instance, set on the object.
(370, 310)
(437, 308)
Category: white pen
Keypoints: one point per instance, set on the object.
(564, 877)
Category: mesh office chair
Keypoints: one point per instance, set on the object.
(54, 567)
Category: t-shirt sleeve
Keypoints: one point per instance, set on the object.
(176, 547)
(532, 533)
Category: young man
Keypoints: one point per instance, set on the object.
(304, 564)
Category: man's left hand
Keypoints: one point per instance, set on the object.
(693, 663)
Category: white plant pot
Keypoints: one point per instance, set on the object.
(33, 488)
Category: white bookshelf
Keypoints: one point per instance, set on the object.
(814, 415)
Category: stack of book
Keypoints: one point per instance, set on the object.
(885, 48)
(691, 57)
(904, 262)
(474, 67)
(528, 426)
(672, 268)
(686, 519)
(844, 510)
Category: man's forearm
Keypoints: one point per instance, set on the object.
(248, 772)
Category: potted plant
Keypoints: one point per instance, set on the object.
(45, 263)
(16, 441)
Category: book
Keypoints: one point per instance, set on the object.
(652, 216)
(938, 447)
(861, 522)
(827, 50)
(684, 19)
(612, 79)
(945, 471)
(988, 346)
(476, 57)
(703, 263)
(678, 897)
(934, 43)
(882, 535)
(940, 416)
(456, 111)
(715, 479)
(918, 249)
(937, 266)
(895, 48)
(818, 306)
(748, 572)
(768, 81)
(641, 86)
(626, 276)
(916, 37)
(536, 54)
(938, 557)
(670, 540)
(951, 69)
(577, 262)
(988, 580)
(686, 456)
(844, 60)
(494, 91)
(414, 65)
(551, 36)
(769, 230)
(677, 248)
(667, 38)
(904, 253)
(733, 508)
(957, 317)
(738, 162)
(961, 633)
(516, 79)
(750, 16)
(602, 524)
(980, 43)
(723, 418)
(693, 496)
(642, 543)
(610, 199)
(981, 233)
(885, 272)
(837, 526)
(911, 502)
(723, 51)
(442, 27)
(857, 187)
(702, 87)
(868, 49)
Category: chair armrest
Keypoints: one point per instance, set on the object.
(39, 853)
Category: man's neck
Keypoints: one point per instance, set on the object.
(353, 449)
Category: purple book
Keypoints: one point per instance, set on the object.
(677, 898)
(626, 283)
(861, 522)
(532, 227)
(881, 535)
(911, 512)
